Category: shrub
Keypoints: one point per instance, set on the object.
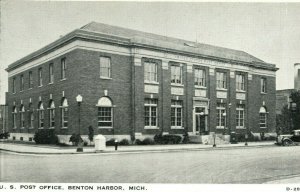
(148, 141)
(4, 135)
(124, 142)
(75, 138)
(138, 142)
(91, 133)
(45, 136)
(185, 138)
(110, 142)
(167, 139)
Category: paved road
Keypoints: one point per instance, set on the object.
(252, 165)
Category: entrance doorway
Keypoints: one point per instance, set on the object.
(200, 120)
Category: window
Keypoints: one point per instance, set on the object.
(52, 114)
(176, 74)
(41, 115)
(176, 114)
(221, 116)
(263, 117)
(105, 113)
(51, 74)
(105, 67)
(64, 113)
(240, 82)
(31, 117)
(14, 85)
(263, 84)
(240, 116)
(22, 116)
(150, 108)
(221, 80)
(30, 79)
(150, 72)
(40, 77)
(21, 83)
(14, 117)
(63, 68)
(200, 78)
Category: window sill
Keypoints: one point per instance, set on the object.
(22, 128)
(63, 79)
(240, 127)
(40, 86)
(107, 78)
(151, 127)
(220, 127)
(64, 127)
(177, 85)
(30, 88)
(151, 82)
(51, 127)
(104, 127)
(263, 93)
(30, 127)
(240, 91)
(200, 87)
(21, 91)
(50, 83)
(222, 89)
(175, 127)
(263, 127)
(41, 128)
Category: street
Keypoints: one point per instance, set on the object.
(238, 165)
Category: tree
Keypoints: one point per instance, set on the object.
(295, 97)
(91, 133)
(283, 121)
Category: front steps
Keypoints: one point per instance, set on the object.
(209, 140)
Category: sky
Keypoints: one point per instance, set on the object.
(269, 31)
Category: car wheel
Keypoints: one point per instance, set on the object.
(287, 143)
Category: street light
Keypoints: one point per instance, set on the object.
(228, 119)
(79, 147)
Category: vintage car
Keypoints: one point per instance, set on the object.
(287, 140)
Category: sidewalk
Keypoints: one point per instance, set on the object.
(48, 149)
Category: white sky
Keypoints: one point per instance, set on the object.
(269, 31)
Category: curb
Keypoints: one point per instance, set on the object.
(141, 151)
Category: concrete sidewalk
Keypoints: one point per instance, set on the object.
(49, 149)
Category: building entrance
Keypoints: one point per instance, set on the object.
(200, 121)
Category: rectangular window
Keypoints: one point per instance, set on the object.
(150, 72)
(263, 120)
(176, 74)
(105, 118)
(105, 68)
(150, 110)
(64, 117)
(63, 66)
(263, 85)
(30, 79)
(41, 118)
(21, 83)
(22, 119)
(221, 116)
(52, 117)
(31, 119)
(240, 82)
(240, 116)
(221, 80)
(200, 77)
(176, 114)
(40, 77)
(14, 85)
(51, 74)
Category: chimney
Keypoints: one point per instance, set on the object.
(297, 76)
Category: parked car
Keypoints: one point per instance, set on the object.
(287, 140)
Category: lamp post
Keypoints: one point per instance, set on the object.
(79, 147)
(228, 118)
(214, 136)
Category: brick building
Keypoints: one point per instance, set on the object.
(3, 119)
(139, 84)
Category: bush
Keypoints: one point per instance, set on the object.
(110, 142)
(4, 135)
(148, 141)
(167, 139)
(185, 138)
(138, 142)
(124, 142)
(45, 136)
(75, 138)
